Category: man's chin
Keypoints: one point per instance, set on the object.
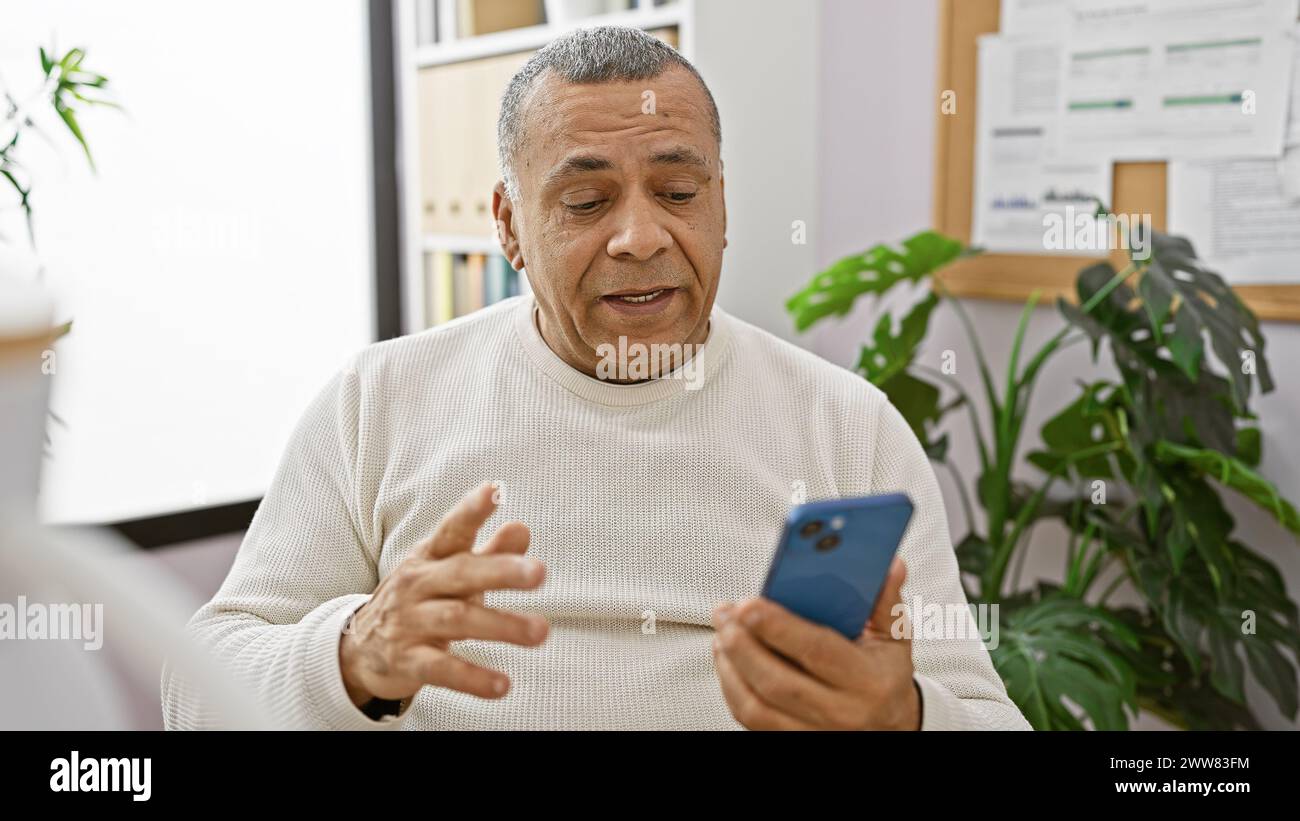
(638, 349)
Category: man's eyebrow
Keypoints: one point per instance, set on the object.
(576, 164)
(679, 155)
(584, 163)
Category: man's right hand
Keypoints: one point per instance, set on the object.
(399, 640)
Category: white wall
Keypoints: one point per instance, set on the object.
(218, 267)
(763, 73)
(876, 119)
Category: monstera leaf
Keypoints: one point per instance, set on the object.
(1089, 421)
(885, 364)
(1170, 404)
(1215, 625)
(891, 353)
(833, 291)
(1204, 303)
(1167, 686)
(1058, 648)
(885, 360)
(1235, 474)
(1179, 304)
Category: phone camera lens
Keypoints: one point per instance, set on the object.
(811, 529)
(828, 542)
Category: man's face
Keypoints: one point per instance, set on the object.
(622, 220)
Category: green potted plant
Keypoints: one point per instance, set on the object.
(26, 327)
(1134, 468)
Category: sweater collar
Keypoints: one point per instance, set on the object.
(686, 378)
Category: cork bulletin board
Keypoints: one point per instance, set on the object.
(1139, 188)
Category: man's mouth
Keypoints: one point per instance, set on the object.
(635, 298)
(641, 297)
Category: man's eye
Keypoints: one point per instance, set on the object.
(680, 196)
(584, 206)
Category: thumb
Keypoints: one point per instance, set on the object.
(889, 609)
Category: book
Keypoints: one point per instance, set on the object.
(496, 286)
(474, 284)
(441, 298)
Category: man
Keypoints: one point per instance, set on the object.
(493, 524)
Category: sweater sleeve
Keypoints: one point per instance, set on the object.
(960, 689)
(304, 567)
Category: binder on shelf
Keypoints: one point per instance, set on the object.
(474, 284)
(441, 299)
(458, 284)
(457, 110)
(475, 17)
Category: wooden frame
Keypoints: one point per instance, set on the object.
(1139, 187)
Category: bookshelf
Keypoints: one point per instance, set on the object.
(455, 58)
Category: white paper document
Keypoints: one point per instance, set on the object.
(1289, 168)
(1239, 217)
(1093, 17)
(1021, 181)
(1142, 93)
(1034, 17)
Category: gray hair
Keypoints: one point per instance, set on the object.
(603, 54)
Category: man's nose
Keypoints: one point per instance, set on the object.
(639, 233)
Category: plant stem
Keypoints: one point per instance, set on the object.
(1072, 583)
(1007, 431)
(974, 411)
(985, 376)
(1002, 553)
(967, 510)
(1112, 587)
(1020, 560)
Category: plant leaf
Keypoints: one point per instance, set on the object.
(1235, 474)
(836, 289)
(1059, 648)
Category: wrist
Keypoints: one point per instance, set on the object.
(908, 707)
(357, 693)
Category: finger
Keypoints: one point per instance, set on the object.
(820, 650)
(776, 681)
(744, 704)
(889, 607)
(511, 537)
(466, 574)
(456, 620)
(456, 530)
(442, 669)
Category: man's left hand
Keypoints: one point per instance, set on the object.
(782, 672)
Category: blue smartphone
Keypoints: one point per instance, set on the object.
(834, 557)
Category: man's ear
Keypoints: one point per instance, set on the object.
(722, 189)
(503, 213)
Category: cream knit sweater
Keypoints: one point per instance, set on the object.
(648, 504)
